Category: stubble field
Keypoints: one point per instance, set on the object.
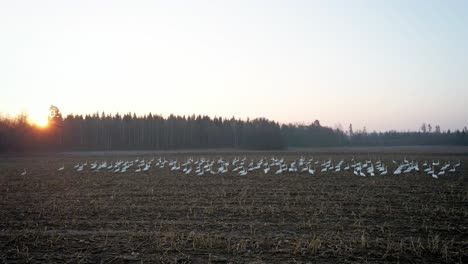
(164, 216)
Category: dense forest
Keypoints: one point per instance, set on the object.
(154, 132)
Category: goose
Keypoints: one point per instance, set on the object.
(362, 174)
(292, 168)
(279, 171)
(383, 173)
(381, 169)
(243, 172)
(430, 172)
(175, 167)
(311, 171)
(103, 165)
(189, 170)
(61, 168)
(24, 172)
(201, 172)
(266, 169)
(408, 170)
(223, 169)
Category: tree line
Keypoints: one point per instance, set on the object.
(154, 132)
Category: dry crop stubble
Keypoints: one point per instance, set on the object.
(164, 216)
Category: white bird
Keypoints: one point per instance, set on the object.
(201, 172)
(24, 172)
(383, 173)
(431, 171)
(61, 168)
(243, 172)
(279, 171)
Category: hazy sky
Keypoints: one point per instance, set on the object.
(381, 64)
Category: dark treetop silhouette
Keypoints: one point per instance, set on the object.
(154, 132)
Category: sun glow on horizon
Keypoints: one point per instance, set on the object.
(39, 117)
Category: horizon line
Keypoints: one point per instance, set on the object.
(300, 123)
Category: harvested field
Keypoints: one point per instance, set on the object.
(168, 217)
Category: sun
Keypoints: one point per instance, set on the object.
(39, 118)
(41, 122)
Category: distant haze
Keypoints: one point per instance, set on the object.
(380, 64)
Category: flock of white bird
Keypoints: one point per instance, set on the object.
(242, 167)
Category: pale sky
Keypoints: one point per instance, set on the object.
(380, 64)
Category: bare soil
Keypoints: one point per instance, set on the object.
(55, 216)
